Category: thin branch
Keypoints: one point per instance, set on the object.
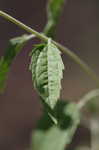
(88, 97)
(71, 54)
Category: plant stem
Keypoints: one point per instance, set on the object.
(89, 96)
(23, 26)
(71, 54)
(79, 61)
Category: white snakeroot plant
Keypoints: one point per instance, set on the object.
(61, 118)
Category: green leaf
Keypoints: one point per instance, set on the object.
(34, 57)
(14, 47)
(54, 10)
(47, 71)
(48, 136)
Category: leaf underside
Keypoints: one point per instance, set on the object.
(47, 71)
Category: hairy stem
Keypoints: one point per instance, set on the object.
(71, 54)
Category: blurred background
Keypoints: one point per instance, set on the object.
(78, 30)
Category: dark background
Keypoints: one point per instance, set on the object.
(78, 30)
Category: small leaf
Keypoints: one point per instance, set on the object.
(14, 47)
(47, 71)
(48, 136)
(54, 10)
